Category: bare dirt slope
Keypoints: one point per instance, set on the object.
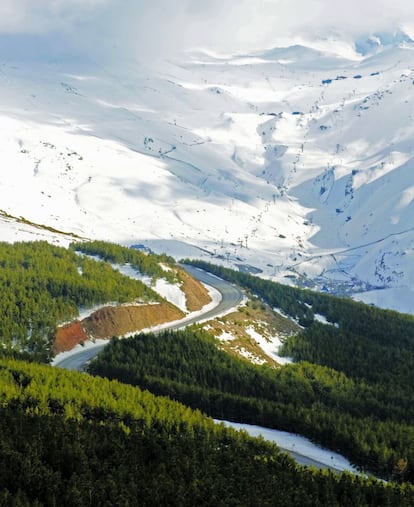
(119, 320)
(68, 336)
(114, 321)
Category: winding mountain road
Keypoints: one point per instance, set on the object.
(231, 296)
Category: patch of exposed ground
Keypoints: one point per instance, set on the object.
(68, 337)
(119, 320)
(196, 294)
(234, 331)
(112, 321)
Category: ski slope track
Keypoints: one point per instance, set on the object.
(295, 163)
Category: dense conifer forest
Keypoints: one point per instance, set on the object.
(42, 285)
(72, 440)
(148, 264)
(363, 421)
(75, 439)
(352, 386)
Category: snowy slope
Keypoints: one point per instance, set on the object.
(296, 161)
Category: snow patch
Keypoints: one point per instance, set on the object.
(270, 346)
(250, 356)
(225, 337)
(170, 292)
(323, 320)
(297, 444)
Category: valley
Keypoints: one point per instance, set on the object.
(259, 353)
(197, 240)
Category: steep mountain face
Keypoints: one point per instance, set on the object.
(295, 161)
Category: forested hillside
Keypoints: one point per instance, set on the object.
(152, 265)
(148, 264)
(42, 285)
(72, 440)
(362, 420)
(353, 394)
(302, 305)
(368, 344)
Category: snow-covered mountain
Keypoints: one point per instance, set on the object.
(295, 161)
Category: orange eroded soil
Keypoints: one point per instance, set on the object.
(119, 320)
(68, 336)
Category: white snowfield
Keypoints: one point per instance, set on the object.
(296, 160)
